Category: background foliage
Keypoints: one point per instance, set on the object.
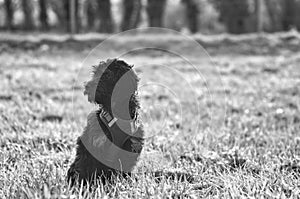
(106, 16)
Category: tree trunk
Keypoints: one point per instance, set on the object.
(73, 24)
(234, 14)
(259, 15)
(91, 14)
(43, 16)
(67, 9)
(131, 14)
(9, 14)
(59, 9)
(288, 14)
(155, 12)
(27, 11)
(273, 13)
(192, 12)
(297, 16)
(77, 16)
(106, 22)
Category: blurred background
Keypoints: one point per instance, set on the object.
(110, 16)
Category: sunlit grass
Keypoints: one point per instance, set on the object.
(255, 154)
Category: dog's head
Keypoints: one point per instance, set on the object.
(114, 87)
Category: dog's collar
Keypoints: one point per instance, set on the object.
(117, 133)
(109, 119)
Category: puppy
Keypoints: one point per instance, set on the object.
(113, 138)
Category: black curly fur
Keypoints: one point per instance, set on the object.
(85, 166)
(108, 81)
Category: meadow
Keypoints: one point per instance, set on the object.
(227, 117)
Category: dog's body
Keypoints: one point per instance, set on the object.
(113, 138)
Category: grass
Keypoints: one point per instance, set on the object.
(238, 135)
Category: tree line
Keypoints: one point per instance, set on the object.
(270, 15)
(237, 16)
(68, 12)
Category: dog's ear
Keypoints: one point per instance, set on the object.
(91, 85)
